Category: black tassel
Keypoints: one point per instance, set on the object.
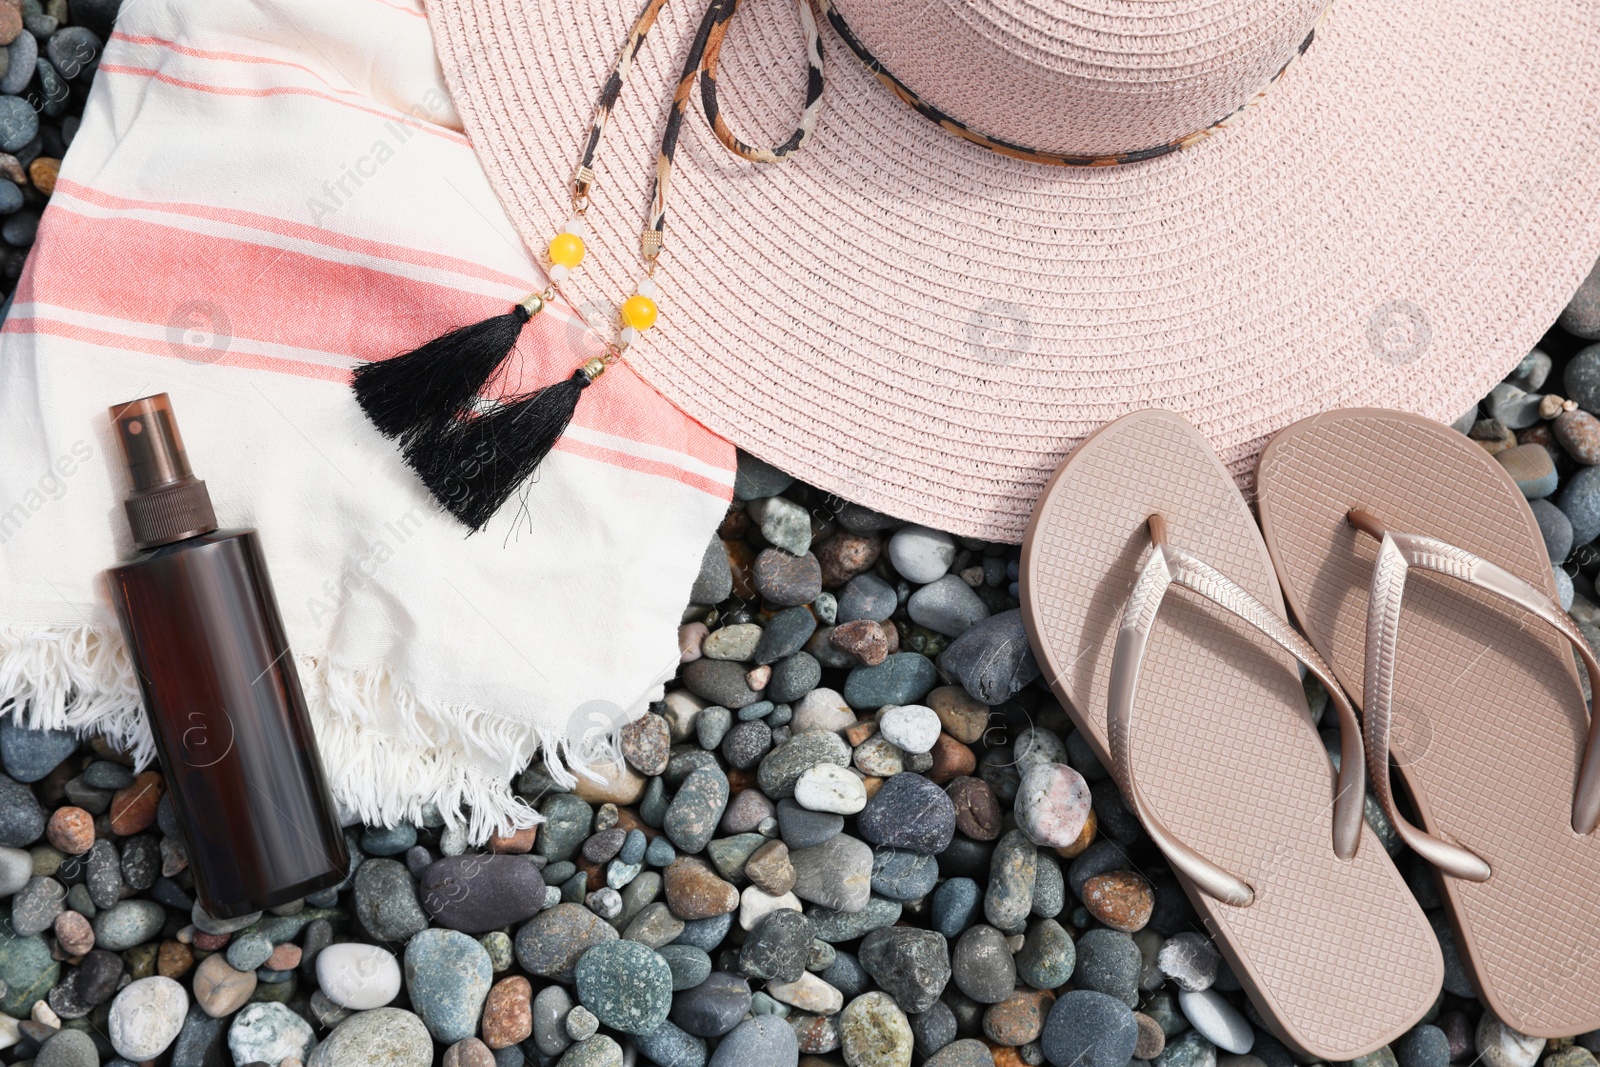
(473, 465)
(411, 396)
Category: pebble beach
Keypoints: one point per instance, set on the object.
(858, 830)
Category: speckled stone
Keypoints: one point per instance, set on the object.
(874, 1032)
(692, 817)
(967, 1052)
(902, 678)
(783, 766)
(785, 635)
(1109, 962)
(911, 965)
(448, 975)
(982, 965)
(836, 874)
(1089, 1029)
(626, 985)
(1122, 900)
(1008, 900)
(839, 926)
(1191, 1049)
(1048, 955)
(785, 579)
(1500, 1046)
(721, 682)
(910, 812)
(764, 1041)
(551, 943)
(668, 1046)
(1053, 802)
(713, 1007)
(1019, 1018)
(901, 875)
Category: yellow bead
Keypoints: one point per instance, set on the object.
(566, 249)
(639, 312)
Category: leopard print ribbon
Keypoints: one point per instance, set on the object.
(701, 64)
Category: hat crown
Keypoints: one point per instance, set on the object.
(1083, 77)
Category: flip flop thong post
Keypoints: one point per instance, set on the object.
(1167, 643)
(1416, 567)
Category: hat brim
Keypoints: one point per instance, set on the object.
(926, 327)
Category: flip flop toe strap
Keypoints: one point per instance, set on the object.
(1399, 553)
(1166, 566)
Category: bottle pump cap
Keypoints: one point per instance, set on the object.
(168, 503)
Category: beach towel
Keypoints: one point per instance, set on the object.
(262, 194)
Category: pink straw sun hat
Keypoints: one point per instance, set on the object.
(926, 325)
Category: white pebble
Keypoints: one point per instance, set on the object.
(755, 905)
(1217, 1021)
(921, 555)
(1501, 1046)
(808, 993)
(582, 1024)
(820, 709)
(358, 976)
(911, 728)
(831, 788)
(146, 1017)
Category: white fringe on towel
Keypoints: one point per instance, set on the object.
(457, 756)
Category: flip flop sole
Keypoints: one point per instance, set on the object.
(1489, 719)
(1335, 955)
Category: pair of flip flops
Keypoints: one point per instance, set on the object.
(1418, 573)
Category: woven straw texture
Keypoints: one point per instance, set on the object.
(927, 327)
(1336, 954)
(1489, 722)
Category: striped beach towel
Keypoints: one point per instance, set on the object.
(262, 194)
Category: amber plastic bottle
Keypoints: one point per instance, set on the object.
(219, 685)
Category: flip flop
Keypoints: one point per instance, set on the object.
(1193, 698)
(1472, 686)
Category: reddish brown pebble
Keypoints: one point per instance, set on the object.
(695, 892)
(285, 957)
(1120, 899)
(71, 830)
(872, 785)
(770, 870)
(646, 743)
(517, 843)
(468, 1052)
(977, 812)
(508, 1013)
(1085, 838)
(863, 639)
(210, 942)
(174, 959)
(735, 524)
(860, 732)
(742, 565)
(1018, 1019)
(74, 933)
(10, 23)
(1151, 1040)
(951, 759)
(42, 172)
(817, 1034)
(738, 782)
(133, 808)
(1005, 1055)
(845, 555)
